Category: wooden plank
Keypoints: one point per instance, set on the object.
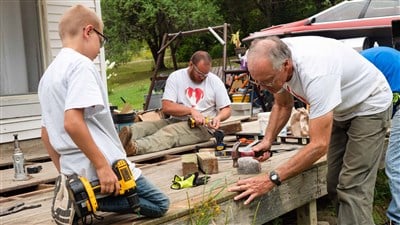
(251, 127)
(289, 195)
(231, 127)
(43, 188)
(292, 194)
(47, 175)
(176, 150)
(236, 118)
(41, 215)
(307, 214)
(33, 151)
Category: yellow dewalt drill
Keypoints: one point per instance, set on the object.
(83, 193)
(192, 121)
(218, 134)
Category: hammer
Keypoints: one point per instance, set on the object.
(243, 152)
(244, 161)
(243, 158)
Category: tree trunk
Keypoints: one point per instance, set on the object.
(154, 49)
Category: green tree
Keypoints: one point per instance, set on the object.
(143, 20)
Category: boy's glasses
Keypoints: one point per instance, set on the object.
(103, 39)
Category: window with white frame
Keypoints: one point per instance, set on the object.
(21, 61)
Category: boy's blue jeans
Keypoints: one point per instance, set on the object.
(393, 168)
(153, 203)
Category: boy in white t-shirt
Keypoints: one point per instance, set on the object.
(350, 108)
(77, 127)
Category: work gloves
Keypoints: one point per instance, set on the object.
(188, 181)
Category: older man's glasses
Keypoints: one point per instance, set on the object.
(103, 38)
(266, 84)
(271, 79)
(203, 75)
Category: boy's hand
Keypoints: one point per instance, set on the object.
(108, 180)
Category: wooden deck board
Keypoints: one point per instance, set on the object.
(34, 150)
(292, 194)
(49, 173)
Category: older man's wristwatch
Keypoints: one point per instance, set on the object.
(274, 177)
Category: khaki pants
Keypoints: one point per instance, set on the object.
(153, 136)
(353, 159)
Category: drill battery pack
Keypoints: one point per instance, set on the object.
(83, 193)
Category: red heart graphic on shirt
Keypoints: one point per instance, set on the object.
(194, 95)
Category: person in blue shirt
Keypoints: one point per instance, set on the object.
(387, 60)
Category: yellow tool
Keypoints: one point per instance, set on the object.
(192, 121)
(83, 193)
(218, 134)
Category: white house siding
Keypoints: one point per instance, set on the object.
(21, 113)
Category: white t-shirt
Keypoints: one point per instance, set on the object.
(72, 81)
(206, 97)
(328, 75)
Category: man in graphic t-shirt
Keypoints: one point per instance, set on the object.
(190, 92)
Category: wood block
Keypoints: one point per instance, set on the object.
(209, 150)
(151, 115)
(189, 164)
(241, 105)
(307, 214)
(208, 163)
(231, 127)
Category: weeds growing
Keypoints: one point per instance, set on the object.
(208, 209)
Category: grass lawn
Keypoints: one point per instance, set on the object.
(131, 83)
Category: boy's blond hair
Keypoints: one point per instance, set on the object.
(75, 19)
